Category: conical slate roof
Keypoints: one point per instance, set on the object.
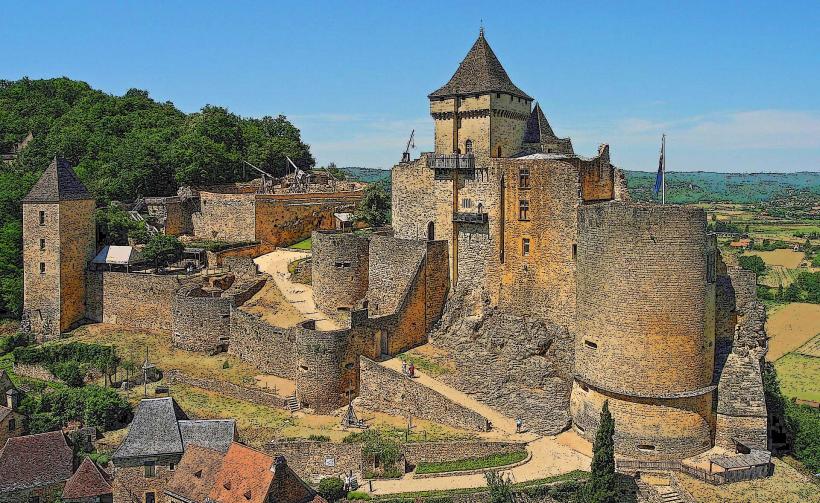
(538, 128)
(479, 73)
(57, 183)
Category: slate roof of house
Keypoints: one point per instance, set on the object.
(195, 474)
(57, 183)
(538, 128)
(35, 460)
(87, 482)
(214, 434)
(479, 73)
(245, 476)
(161, 427)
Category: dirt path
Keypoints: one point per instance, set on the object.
(298, 295)
(500, 421)
(549, 457)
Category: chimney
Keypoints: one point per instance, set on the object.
(12, 398)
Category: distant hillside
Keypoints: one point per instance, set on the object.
(700, 186)
(367, 174)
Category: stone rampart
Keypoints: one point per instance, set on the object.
(270, 349)
(201, 321)
(225, 217)
(394, 265)
(386, 390)
(218, 259)
(246, 393)
(284, 219)
(323, 377)
(242, 266)
(135, 300)
(313, 460)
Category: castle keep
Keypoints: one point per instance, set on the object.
(543, 242)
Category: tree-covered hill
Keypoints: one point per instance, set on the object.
(123, 147)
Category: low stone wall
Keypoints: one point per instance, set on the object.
(246, 393)
(218, 259)
(389, 391)
(270, 349)
(136, 300)
(35, 372)
(315, 460)
(434, 452)
(241, 266)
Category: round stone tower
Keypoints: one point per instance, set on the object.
(645, 328)
(339, 270)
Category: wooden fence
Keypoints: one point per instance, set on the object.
(714, 478)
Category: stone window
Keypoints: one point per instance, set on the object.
(150, 497)
(42, 243)
(466, 203)
(499, 152)
(42, 218)
(342, 265)
(150, 471)
(646, 447)
(525, 247)
(579, 428)
(42, 267)
(468, 146)
(12, 424)
(172, 466)
(523, 209)
(498, 95)
(34, 499)
(524, 178)
(590, 344)
(574, 251)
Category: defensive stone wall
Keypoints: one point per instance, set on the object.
(135, 300)
(242, 266)
(284, 219)
(270, 349)
(394, 265)
(386, 390)
(201, 321)
(313, 460)
(217, 259)
(246, 393)
(225, 217)
(644, 299)
(323, 379)
(339, 270)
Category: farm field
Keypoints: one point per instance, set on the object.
(790, 327)
(784, 258)
(799, 376)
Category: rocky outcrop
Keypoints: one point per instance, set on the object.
(518, 365)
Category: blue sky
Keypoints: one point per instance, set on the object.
(735, 85)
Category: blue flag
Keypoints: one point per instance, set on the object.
(661, 169)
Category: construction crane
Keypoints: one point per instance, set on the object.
(405, 157)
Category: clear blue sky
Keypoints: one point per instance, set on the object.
(735, 85)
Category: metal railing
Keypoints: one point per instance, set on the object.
(451, 161)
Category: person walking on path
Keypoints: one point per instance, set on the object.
(404, 367)
(518, 424)
(412, 370)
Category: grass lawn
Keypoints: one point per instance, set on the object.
(462, 465)
(799, 376)
(786, 485)
(428, 359)
(307, 244)
(790, 327)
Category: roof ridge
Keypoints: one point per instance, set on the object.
(58, 182)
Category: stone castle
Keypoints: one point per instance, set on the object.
(527, 262)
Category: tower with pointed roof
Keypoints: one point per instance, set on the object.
(479, 109)
(59, 239)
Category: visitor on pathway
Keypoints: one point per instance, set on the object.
(404, 367)
(518, 423)
(412, 370)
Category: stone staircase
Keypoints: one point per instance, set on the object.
(668, 494)
(292, 403)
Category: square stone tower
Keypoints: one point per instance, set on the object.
(480, 110)
(59, 239)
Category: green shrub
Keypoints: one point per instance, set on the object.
(331, 489)
(92, 405)
(472, 463)
(319, 438)
(500, 487)
(226, 365)
(358, 495)
(10, 342)
(69, 372)
(804, 421)
(752, 263)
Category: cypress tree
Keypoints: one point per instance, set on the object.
(601, 486)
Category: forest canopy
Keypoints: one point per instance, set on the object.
(122, 148)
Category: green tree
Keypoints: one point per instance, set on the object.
(601, 486)
(374, 207)
(331, 489)
(752, 263)
(500, 487)
(162, 250)
(115, 226)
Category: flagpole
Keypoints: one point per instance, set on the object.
(663, 169)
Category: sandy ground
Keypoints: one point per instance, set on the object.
(284, 387)
(271, 306)
(790, 327)
(786, 258)
(298, 295)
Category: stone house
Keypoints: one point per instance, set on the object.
(89, 484)
(34, 468)
(11, 424)
(154, 445)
